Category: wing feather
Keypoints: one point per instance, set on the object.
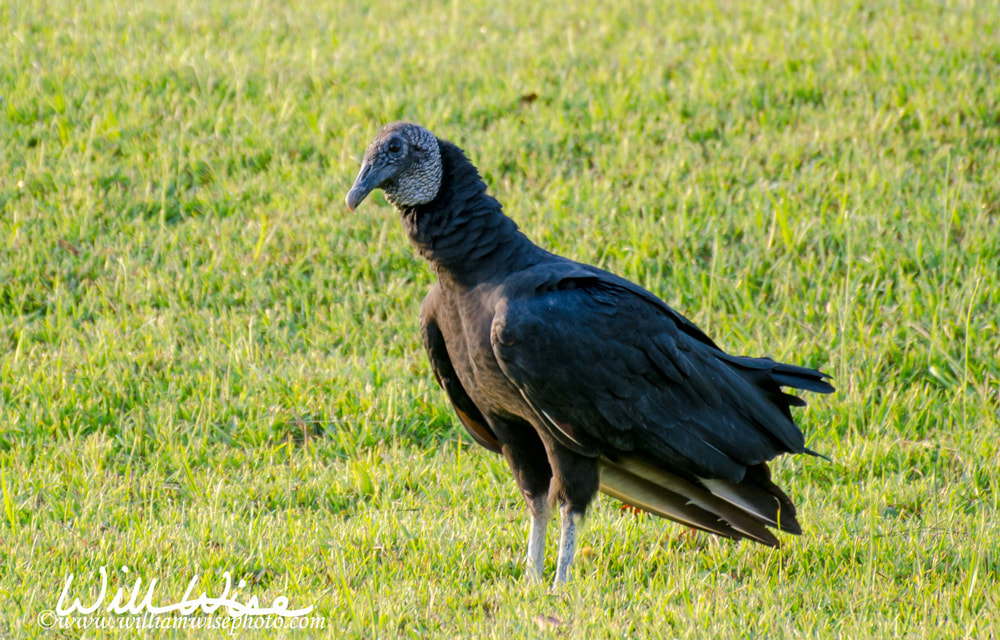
(620, 375)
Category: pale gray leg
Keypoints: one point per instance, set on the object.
(538, 507)
(567, 543)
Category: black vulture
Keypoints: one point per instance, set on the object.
(582, 380)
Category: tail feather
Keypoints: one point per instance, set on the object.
(743, 509)
(762, 500)
(815, 382)
(645, 495)
(671, 496)
(793, 401)
(788, 375)
(804, 378)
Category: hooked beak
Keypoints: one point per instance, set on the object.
(369, 179)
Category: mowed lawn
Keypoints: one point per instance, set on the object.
(208, 364)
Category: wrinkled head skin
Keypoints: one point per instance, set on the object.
(404, 160)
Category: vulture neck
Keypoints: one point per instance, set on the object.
(463, 232)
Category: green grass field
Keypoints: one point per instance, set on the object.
(208, 364)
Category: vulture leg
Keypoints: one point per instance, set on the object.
(567, 542)
(575, 481)
(538, 507)
(526, 456)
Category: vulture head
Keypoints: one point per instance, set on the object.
(404, 160)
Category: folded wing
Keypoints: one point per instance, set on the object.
(682, 429)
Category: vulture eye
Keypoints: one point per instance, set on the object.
(394, 146)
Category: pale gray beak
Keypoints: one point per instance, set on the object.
(369, 178)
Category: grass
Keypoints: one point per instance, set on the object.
(209, 365)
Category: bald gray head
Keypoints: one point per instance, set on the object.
(404, 160)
